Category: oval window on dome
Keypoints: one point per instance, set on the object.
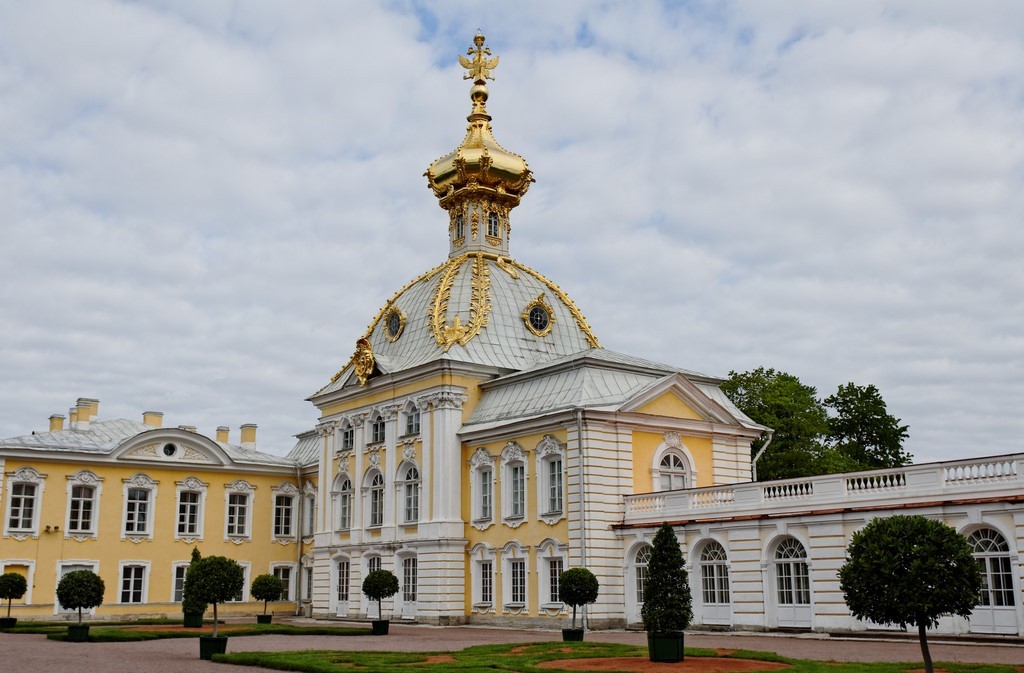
(538, 316)
(394, 324)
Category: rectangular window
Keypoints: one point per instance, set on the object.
(23, 506)
(179, 582)
(284, 573)
(518, 490)
(348, 437)
(308, 572)
(238, 511)
(344, 577)
(486, 494)
(309, 515)
(641, 582)
(81, 507)
(377, 506)
(132, 579)
(518, 580)
(412, 501)
(554, 572)
(345, 507)
(486, 582)
(412, 422)
(136, 517)
(188, 513)
(283, 515)
(378, 430)
(554, 486)
(409, 580)
(240, 596)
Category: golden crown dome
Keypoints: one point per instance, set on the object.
(479, 166)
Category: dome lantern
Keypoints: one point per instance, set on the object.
(479, 182)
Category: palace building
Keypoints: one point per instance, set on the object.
(478, 442)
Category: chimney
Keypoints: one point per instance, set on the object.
(84, 405)
(187, 428)
(73, 418)
(222, 434)
(56, 423)
(153, 419)
(94, 406)
(248, 436)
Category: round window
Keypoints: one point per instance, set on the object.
(170, 450)
(539, 318)
(394, 325)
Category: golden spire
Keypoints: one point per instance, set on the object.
(479, 67)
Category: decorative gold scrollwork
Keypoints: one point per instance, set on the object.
(458, 332)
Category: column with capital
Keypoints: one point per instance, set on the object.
(357, 534)
(390, 469)
(427, 508)
(446, 420)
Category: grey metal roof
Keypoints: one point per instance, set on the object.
(103, 437)
(716, 394)
(306, 450)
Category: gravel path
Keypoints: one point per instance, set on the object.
(23, 653)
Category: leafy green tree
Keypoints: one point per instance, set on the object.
(792, 410)
(267, 588)
(862, 430)
(667, 601)
(576, 587)
(190, 604)
(12, 585)
(215, 579)
(378, 585)
(80, 589)
(910, 570)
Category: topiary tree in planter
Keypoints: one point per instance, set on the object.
(266, 588)
(77, 590)
(377, 586)
(213, 580)
(576, 587)
(667, 608)
(910, 570)
(192, 607)
(12, 585)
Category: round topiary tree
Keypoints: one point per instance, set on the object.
(576, 587)
(215, 579)
(12, 585)
(378, 585)
(266, 588)
(77, 590)
(667, 608)
(910, 570)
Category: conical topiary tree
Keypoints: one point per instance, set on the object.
(190, 604)
(667, 608)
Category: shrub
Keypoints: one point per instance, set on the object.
(12, 585)
(266, 588)
(215, 579)
(80, 589)
(191, 605)
(577, 586)
(378, 585)
(667, 602)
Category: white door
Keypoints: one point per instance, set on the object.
(997, 612)
(716, 607)
(409, 581)
(792, 585)
(344, 578)
(64, 570)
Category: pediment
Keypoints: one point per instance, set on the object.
(171, 447)
(675, 397)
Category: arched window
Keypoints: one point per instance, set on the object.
(791, 573)
(377, 429)
(460, 231)
(714, 575)
(993, 556)
(643, 560)
(411, 494)
(673, 472)
(348, 437)
(345, 504)
(492, 224)
(375, 493)
(412, 421)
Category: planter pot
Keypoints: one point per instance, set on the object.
(193, 620)
(78, 633)
(572, 635)
(8, 623)
(665, 645)
(380, 627)
(210, 645)
(264, 619)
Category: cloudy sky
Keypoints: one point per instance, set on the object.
(204, 203)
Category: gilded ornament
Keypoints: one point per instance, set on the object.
(581, 321)
(539, 317)
(505, 264)
(479, 66)
(458, 332)
(363, 359)
(394, 324)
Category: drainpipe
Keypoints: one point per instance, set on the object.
(753, 464)
(583, 509)
(297, 575)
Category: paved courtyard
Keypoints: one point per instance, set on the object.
(36, 654)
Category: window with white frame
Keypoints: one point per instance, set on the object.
(348, 437)
(375, 497)
(460, 231)
(487, 582)
(307, 574)
(551, 561)
(714, 574)
(344, 578)
(284, 512)
(24, 494)
(285, 572)
(409, 579)
(481, 483)
(133, 582)
(792, 576)
(238, 511)
(308, 509)
(992, 554)
(373, 563)
(243, 593)
(492, 224)
(83, 504)
(641, 571)
(410, 494)
(178, 571)
(551, 478)
(481, 569)
(672, 472)
(513, 484)
(412, 421)
(345, 503)
(191, 504)
(139, 503)
(377, 430)
(514, 572)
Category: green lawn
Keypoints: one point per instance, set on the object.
(525, 657)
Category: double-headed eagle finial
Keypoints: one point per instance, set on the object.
(479, 66)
